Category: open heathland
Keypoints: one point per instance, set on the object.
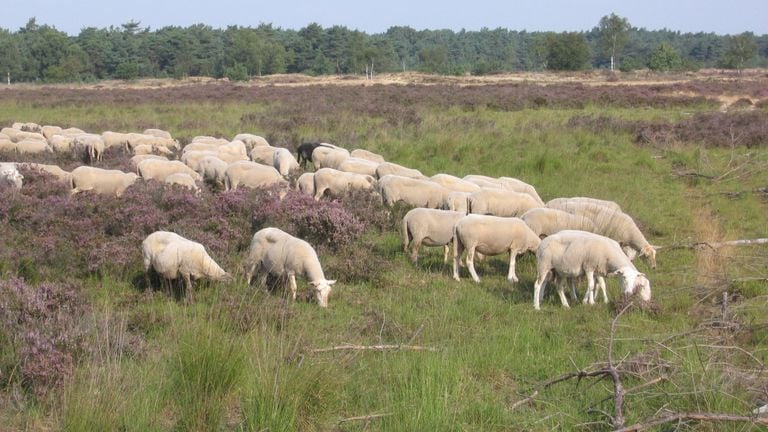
(86, 345)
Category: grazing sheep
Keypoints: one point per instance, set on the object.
(213, 169)
(429, 227)
(413, 192)
(182, 179)
(367, 155)
(491, 235)
(30, 127)
(516, 185)
(456, 201)
(570, 254)
(156, 169)
(7, 146)
(618, 226)
(153, 141)
(114, 139)
(251, 140)
(306, 184)
(252, 175)
(278, 253)
(101, 181)
(389, 168)
(54, 170)
(339, 183)
(454, 183)
(71, 131)
(90, 146)
(199, 146)
(10, 175)
(328, 157)
(500, 202)
(562, 203)
(33, 146)
(145, 149)
(158, 133)
(62, 143)
(359, 166)
(192, 158)
(284, 162)
(136, 160)
(304, 152)
(264, 155)
(24, 136)
(234, 148)
(49, 131)
(171, 256)
(547, 221)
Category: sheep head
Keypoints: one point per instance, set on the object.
(632, 280)
(322, 291)
(650, 253)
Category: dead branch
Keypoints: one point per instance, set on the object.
(750, 279)
(365, 417)
(618, 387)
(716, 245)
(371, 348)
(710, 417)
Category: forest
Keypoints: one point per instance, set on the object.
(41, 53)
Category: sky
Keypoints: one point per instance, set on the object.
(371, 16)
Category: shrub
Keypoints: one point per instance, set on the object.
(237, 72)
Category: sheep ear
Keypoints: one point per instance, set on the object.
(641, 274)
(331, 282)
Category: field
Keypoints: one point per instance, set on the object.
(84, 345)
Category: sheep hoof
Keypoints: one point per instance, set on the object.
(513, 279)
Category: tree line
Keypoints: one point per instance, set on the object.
(41, 53)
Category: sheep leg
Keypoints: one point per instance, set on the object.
(446, 250)
(458, 248)
(601, 285)
(415, 251)
(188, 285)
(511, 276)
(292, 280)
(471, 264)
(249, 273)
(538, 289)
(561, 292)
(572, 286)
(589, 297)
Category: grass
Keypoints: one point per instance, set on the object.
(238, 358)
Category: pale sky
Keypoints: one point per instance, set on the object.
(371, 16)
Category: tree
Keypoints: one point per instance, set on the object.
(665, 58)
(741, 49)
(613, 35)
(567, 51)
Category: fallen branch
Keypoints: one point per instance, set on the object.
(372, 348)
(364, 418)
(750, 279)
(711, 417)
(716, 245)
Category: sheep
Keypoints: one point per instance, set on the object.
(618, 226)
(561, 203)
(71, 131)
(209, 140)
(234, 148)
(547, 221)
(23, 135)
(156, 169)
(367, 155)
(8, 146)
(171, 256)
(150, 140)
(30, 127)
(284, 162)
(264, 155)
(90, 146)
(306, 184)
(136, 160)
(328, 157)
(101, 181)
(251, 174)
(507, 183)
(49, 131)
(192, 158)
(389, 168)
(454, 183)
(251, 140)
(429, 227)
(10, 133)
(33, 146)
(199, 146)
(570, 254)
(339, 183)
(114, 139)
(278, 253)
(62, 143)
(10, 175)
(145, 149)
(213, 169)
(304, 152)
(500, 202)
(359, 166)
(413, 192)
(54, 170)
(456, 201)
(182, 179)
(158, 133)
(491, 235)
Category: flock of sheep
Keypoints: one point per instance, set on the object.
(572, 237)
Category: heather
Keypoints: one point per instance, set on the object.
(86, 345)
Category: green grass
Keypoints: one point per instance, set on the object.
(239, 359)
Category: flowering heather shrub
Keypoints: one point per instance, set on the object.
(322, 223)
(42, 324)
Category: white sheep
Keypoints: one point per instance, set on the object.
(23, 136)
(33, 146)
(454, 183)
(547, 221)
(359, 166)
(101, 181)
(428, 227)
(251, 140)
(456, 201)
(62, 143)
(213, 169)
(7, 146)
(72, 131)
(192, 158)
(328, 157)
(367, 155)
(251, 174)
(209, 140)
(157, 169)
(136, 160)
(389, 168)
(264, 155)
(10, 175)
(306, 184)
(562, 203)
(114, 139)
(171, 256)
(516, 185)
(491, 235)
(90, 146)
(153, 141)
(54, 170)
(184, 180)
(500, 202)
(49, 131)
(158, 133)
(276, 252)
(339, 183)
(571, 254)
(284, 162)
(413, 192)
